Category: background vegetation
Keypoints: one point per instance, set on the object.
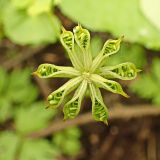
(29, 32)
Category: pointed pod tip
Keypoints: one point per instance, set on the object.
(63, 29)
(105, 122)
(34, 73)
(138, 70)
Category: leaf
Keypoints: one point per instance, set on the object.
(26, 121)
(99, 110)
(8, 145)
(40, 6)
(21, 4)
(147, 86)
(3, 78)
(5, 109)
(68, 141)
(72, 108)
(49, 70)
(39, 149)
(20, 88)
(117, 17)
(24, 29)
(124, 71)
(151, 10)
(129, 52)
(56, 97)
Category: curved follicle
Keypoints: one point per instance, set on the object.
(56, 97)
(72, 108)
(49, 70)
(99, 110)
(109, 85)
(124, 71)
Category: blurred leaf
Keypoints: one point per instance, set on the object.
(33, 118)
(96, 45)
(39, 149)
(24, 29)
(151, 11)
(20, 88)
(148, 86)
(68, 141)
(129, 52)
(40, 6)
(8, 145)
(117, 17)
(5, 109)
(19, 4)
(3, 77)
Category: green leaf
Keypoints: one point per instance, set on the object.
(124, 71)
(72, 108)
(68, 141)
(40, 6)
(49, 70)
(129, 52)
(24, 29)
(5, 109)
(20, 89)
(22, 4)
(117, 17)
(99, 110)
(56, 97)
(8, 145)
(151, 10)
(39, 149)
(26, 121)
(149, 81)
(3, 79)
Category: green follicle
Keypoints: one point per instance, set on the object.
(82, 37)
(67, 39)
(111, 46)
(45, 70)
(55, 98)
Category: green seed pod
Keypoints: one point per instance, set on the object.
(50, 70)
(111, 46)
(56, 97)
(72, 108)
(67, 40)
(124, 71)
(82, 37)
(99, 110)
(109, 85)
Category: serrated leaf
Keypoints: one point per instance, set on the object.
(49, 70)
(39, 149)
(117, 17)
(8, 145)
(26, 121)
(151, 10)
(24, 29)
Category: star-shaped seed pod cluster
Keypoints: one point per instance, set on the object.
(86, 74)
